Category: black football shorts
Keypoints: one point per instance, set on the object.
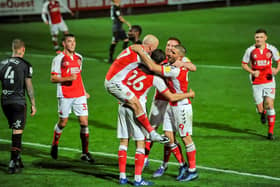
(119, 35)
(16, 115)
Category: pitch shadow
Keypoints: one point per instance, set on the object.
(105, 168)
(96, 124)
(226, 127)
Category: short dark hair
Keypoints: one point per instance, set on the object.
(174, 38)
(137, 28)
(67, 35)
(158, 56)
(261, 31)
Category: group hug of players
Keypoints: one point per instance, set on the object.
(131, 75)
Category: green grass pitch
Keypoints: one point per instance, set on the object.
(227, 132)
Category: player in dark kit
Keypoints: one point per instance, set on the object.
(118, 31)
(15, 76)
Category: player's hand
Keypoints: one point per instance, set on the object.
(46, 22)
(72, 14)
(87, 95)
(274, 71)
(33, 110)
(192, 93)
(73, 77)
(129, 25)
(136, 48)
(256, 73)
(178, 63)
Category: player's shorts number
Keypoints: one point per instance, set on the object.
(181, 126)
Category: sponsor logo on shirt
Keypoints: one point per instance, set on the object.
(261, 62)
(75, 70)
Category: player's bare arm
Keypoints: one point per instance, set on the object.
(147, 59)
(173, 97)
(124, 21)
(30, 93)
(66, 8)
(57, 79)
(276, 70)
(87, 95)
(188, 65)
(255, 73)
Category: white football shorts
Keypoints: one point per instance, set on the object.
(78, 105)
(128, 126)
(157, 112)
(263, 90)
(55, 28)
(169, 120)
(119, 90)
(183, 116)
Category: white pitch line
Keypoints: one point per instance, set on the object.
(95, 59)
(151, 160)
(219, 67)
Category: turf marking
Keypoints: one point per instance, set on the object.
(151, 160)
(95, 59)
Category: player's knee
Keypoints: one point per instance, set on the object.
(17, 131)
(84, 123)
(187, 140)
(136, 106)
(62, 122)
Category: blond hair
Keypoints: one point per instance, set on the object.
(17, 44)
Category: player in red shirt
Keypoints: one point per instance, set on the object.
(260, 56)
(71, 94)
(51, 16)
(181, 111)
(140, 81)
(124, 63)
(159, 103)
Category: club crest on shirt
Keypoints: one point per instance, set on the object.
(65, 64)
(167, 69)
(268, 54)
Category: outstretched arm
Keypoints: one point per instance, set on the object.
(276, 70)
(178, 96)
(190, 66)
(66, 8)
(30, 93)
(44, 14)
(186, 64)
(124, 21)
(147, 59)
